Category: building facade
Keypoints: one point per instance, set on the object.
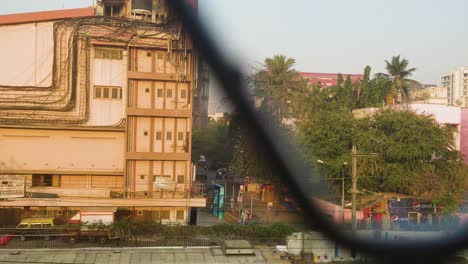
(96, 111)
(430, 95)
(456, 83)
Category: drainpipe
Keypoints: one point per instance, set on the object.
(124, 116)
(125, 84)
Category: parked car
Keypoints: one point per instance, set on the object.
(36, 224)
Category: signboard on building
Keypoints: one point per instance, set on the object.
(401, 209)
(11, 186)
(164, 183)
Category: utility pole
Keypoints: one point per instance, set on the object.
(354, 191)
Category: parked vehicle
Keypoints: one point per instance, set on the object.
(94, 226)
(44, 227)
(36, 224)
(91, 226)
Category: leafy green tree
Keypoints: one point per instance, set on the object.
(247, 159)
(274, 84)
(399, 74)
(415, 153)
(214, 142)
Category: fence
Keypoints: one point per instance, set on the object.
(64, 241)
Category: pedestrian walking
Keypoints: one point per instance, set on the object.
(244, 217)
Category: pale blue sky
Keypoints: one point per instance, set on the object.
(328, 35)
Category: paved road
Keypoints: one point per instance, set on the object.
(141, 256)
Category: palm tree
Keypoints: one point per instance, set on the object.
(273, 84)
(399, 82)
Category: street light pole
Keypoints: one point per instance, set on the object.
(343, 193)
(354, 191)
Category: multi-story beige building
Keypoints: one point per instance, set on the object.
(96, 111)
(430, 95)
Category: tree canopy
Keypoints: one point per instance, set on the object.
(415, 154)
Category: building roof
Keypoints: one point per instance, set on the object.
(45, 16)
(329, 79)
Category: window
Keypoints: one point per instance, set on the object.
(180, 179)
(160, 92)
(183, 94)
(169, 136)
(148, 54)
(45, 180)
(180, 136)
(180, 215)
(158, 135)
(115, 93)
(110, 10)
(165, 214)
(140, 212)
(106, 92)
(46, 225)
(97, 92)
(145, 133)
(23, 226)
(142, 177)
(147, 90)
(107, 53)
(36, 225)
(59, 212)
(169, 93)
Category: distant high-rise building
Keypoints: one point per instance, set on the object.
(201, 96)
(456, 83)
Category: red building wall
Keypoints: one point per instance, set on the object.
(329, 79)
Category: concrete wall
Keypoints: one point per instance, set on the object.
(59, 151)
(443, 114)
(324, 250)
(27, 54)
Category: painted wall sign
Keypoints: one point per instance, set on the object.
(11, 186)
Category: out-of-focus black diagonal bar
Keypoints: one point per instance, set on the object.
(281, 154)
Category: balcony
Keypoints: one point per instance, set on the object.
(113, 2)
